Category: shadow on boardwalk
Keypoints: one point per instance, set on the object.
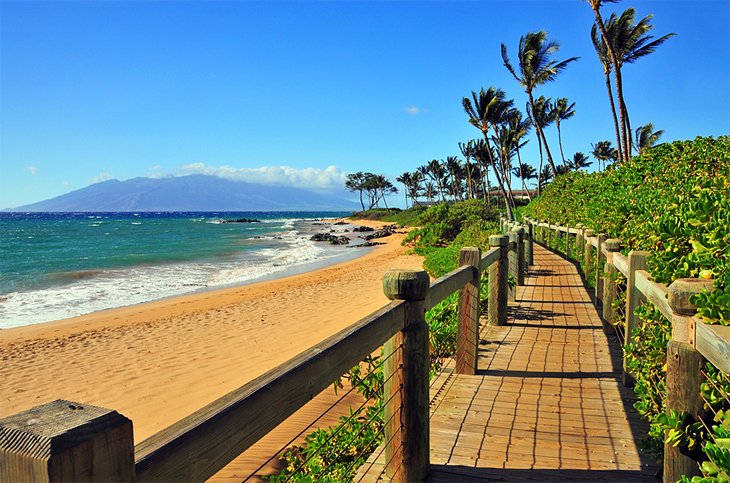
(547, 403)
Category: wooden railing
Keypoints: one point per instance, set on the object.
(70, 441)
(693, 341)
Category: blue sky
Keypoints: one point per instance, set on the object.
(304, 92)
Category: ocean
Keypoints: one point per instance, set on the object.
(59, 265)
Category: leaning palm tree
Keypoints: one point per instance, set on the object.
(603, 55)
(543, 115)
(580, 161)
(563, 112)
(646, 137)
(604, 153)
(536, 67)
(486, 110)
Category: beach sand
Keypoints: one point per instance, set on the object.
(158, 362)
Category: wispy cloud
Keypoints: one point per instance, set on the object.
(32, 170)
(415, 110)
(102, 177)
(310, 178)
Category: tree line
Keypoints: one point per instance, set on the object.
(618, 40)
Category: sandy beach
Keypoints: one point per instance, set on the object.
(160, 361)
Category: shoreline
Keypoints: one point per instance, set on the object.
(159, 361)
(329, 257)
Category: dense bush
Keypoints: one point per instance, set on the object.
(441, 224)
(673, 201)
(409, 217)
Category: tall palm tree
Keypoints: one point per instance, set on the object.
(625, 40)
(604, 153)
(455, 169)
(430, 191)
(437, 172)
(489, 109)
(580, 161)
(646, 137)
(563, 112)
(544, 177)
(536, 67)
(466, 151)
(603, 56)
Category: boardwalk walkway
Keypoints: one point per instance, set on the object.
(547, 403)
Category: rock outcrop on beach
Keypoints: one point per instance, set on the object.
(363, 228)
(383, 232)
(329, 237)
(242, 220)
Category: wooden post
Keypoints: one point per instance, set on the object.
(520, 256)
(66, 441)
(530, 230)
(549, 234)
(467, 339)
(637, 261)
(513, 241)
(684, 366)
(498, 271)
(406, 376)
(587, 254)
(610, 287)
(567, 242)
(600, 257)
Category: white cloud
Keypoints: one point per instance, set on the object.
(309, 178)
(32, 169)
(101, 177)
(415, 110)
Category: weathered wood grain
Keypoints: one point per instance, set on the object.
(656, 293)
(444, 286)
(713, 342)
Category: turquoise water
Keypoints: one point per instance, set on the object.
(58, 265)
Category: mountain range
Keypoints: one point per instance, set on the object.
(190, 193)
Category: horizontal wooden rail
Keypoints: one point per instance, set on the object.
(593, 241)
(488, 259)
(444, 286)
(713, 342)
(656, 293)
(621, 262)
(196, 447)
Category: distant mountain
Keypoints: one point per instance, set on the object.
(189, 193)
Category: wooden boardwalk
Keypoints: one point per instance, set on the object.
(546, 404)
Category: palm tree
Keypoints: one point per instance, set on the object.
(544, 177)
(466, 151)
(626, 41)
(524, 172)
(543, 115)
(437, 172)
(603, 152)
(646, 137)
(580, 161)
(536, 66)
(489, 109)
(356, 182)
(563, 112)
(603, 56)
(429, 191)
(455, 169)
(407, 179)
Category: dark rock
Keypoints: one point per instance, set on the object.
(333, 239)
(341, 223)
(242, 220)
(378, 234)
(363, 228)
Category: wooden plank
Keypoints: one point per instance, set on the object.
(66, 441)
(656, 293)
(621, 262)
(593, 240)
(196, 447)
(487, 259)
(713, 342)
(444, 286)
(468, 315)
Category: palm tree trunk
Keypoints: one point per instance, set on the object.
(613, 112)
(539, 172)
(617, 74)
(560, 141)
(541, 136)
(505, 196)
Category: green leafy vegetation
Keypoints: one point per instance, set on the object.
(673, 201)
